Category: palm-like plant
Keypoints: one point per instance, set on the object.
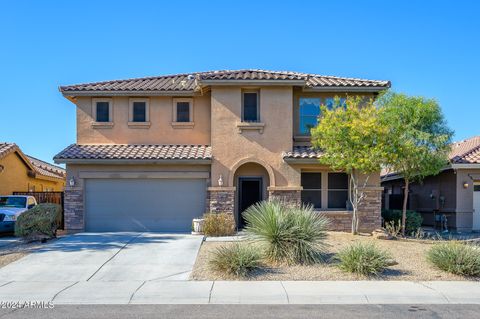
(288, 234)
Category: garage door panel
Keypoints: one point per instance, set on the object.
(143, 204)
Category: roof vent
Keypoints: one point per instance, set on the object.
(190, 77)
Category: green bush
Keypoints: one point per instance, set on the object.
(289, 235)
(221, 224)
(42, 221)
(414, 219)
(363, 259)
(238, 259)
(456, 257)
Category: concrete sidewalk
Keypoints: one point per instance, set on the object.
(243, 292)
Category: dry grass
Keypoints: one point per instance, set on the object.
(410, 256)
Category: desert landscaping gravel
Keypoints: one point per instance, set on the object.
(410, 257)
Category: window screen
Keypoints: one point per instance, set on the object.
(250, 107)
(183, 112)
(102, 112)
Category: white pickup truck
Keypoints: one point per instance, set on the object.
(11, 206)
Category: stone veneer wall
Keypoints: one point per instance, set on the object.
(73, 208)
(369, 212)
(290, 197)
(221, 200)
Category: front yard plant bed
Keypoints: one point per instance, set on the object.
(410, 257)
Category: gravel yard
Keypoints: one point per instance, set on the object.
(15, 251)
(410, 256)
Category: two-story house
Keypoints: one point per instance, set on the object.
(154, 153)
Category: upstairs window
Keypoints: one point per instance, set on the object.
(309, 113)
(250, 103)
(330, 102)
(337, 190)
(139, 110)
(102, 110)
(312, 189)
(183, 110)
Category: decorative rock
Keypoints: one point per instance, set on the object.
(381, 233)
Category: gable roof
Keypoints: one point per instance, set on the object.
(134, 152)
(38, 166)
(193, 82)
(466, 151)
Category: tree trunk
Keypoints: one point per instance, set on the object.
(352, 197)
(404, 209)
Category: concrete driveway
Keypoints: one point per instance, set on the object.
(108, 257)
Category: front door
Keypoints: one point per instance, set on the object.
(476, 206)
(250, 192)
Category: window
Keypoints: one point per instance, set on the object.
(250, 110)
(183, 111)
(102, 110)
(309, 112)
(476, 187)
(312, 189)
(139, 111)
(330, 102)
(337, 190)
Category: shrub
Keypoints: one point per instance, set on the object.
(456, 257)
(237, 259)
(221, 224)
(413, 222)
(363, 259)
(40, 222)
(287, 234)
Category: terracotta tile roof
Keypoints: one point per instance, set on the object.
(193, 81)
(40, 167)
(7, 148)
(134, 152)
(46, 169)
(302, 152)
(466, 151)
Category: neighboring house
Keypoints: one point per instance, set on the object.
(154, 153)
(453, 193)
(23, 173)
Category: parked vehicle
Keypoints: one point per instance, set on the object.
(11, 206)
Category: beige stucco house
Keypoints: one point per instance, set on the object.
(453, 194)
(154, 153)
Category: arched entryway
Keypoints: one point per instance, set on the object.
(251, 180)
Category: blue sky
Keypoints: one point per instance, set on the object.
(428, 48)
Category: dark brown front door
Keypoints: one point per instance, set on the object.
(250, 192)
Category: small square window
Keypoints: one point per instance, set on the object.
(250, 107)
(183, 112)
(102, 111)
(139, 112)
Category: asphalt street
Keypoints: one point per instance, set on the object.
(247, 311)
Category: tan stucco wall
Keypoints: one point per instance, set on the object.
(160, 131)
(14, 177)
(229, 146)
(75, 170)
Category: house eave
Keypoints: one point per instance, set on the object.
(345, 89)
(134, 162)
(302, 161)
(69, 94)
(466, 166)
(254, 82)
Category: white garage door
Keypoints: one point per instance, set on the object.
(166, 205)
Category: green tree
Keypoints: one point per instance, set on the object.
(418, 138)
(351, 138)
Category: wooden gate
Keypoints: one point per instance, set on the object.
(46, 197)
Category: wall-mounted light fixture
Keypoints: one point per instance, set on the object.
(465, 184)
(220, 181)
(71, 181)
